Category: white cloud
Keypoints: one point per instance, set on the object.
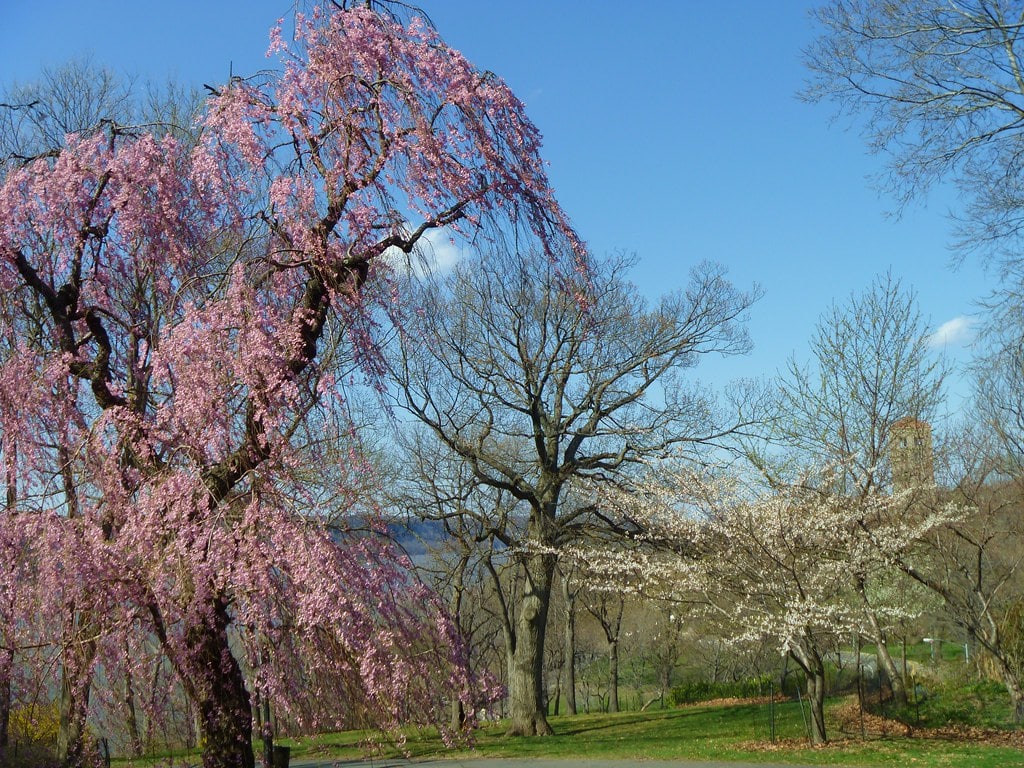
(958, 332)
(435, 254)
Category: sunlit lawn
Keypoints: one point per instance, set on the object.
(703, 732)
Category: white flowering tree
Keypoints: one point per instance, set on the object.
(870, 366)
(765, 564)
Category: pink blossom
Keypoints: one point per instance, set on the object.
(176, 325)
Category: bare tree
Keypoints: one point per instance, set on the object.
(942, 87)
(870, 367)
(607, 608)
(999, 374)
(464, 556)
(75, 97)
(538, 379)
(974, 562)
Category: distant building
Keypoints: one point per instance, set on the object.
(910, 453)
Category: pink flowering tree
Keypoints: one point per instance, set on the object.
(181, 321)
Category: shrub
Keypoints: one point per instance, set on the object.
(32, 736)
(693, 691)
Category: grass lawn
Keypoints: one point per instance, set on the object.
(739, 732)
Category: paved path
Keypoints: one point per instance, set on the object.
(534, 763)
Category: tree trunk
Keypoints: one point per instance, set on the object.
(267, 731)
(816, 702)
(78, 657)
(569, 662)
(508, 630)
(132, 720)
(215, 683)
(526, 682)
(1013, 687)
(1017, 702)
(806, 655)
(903, 661)
(613, 663)
(899, 688)
(458, 709)
(75, 689)
(6, 669)
(882, 655)
(458, 714)
(73, 713)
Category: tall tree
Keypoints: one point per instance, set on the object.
(998, 370)
(192, 309)
(539, 378)
(941, 85)
(870, 366)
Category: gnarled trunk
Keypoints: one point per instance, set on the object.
(816, 703)
(76, 686)
(6, 670)
(73, 712)
(526, 670)
(216, 685)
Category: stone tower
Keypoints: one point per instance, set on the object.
(910, 453)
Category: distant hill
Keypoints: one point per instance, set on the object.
(417, 537)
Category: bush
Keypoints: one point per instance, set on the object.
(32, 736)
(957, 700)
(693, 691)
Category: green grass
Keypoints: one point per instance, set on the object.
(694, 733)
(921, 653)
(982, 704)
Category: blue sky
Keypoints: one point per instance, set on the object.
(672, 130)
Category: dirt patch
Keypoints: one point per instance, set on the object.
(733, 702)
(846, 720)
(876, 726)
